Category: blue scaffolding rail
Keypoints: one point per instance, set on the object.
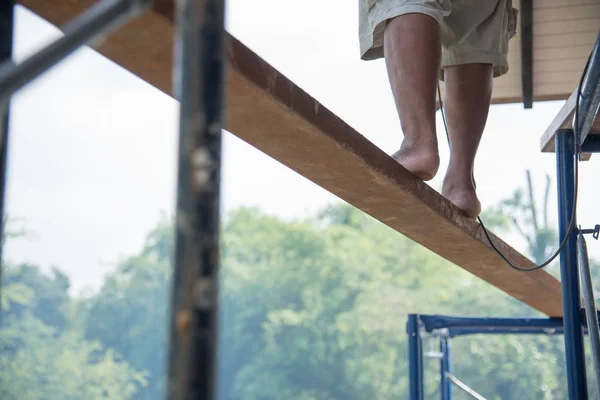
(447, 327)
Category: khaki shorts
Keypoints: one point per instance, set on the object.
(472, 31)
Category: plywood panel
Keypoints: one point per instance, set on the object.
(564, 41)
(572, 66)
(573, 12)
(564, 32)
(561, 4)
(551, 28)
(272, 114)
(574, 52)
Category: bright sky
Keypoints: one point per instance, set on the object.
(92, 148)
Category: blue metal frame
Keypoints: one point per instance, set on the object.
(415, 356)
(572, 325)
(569, 273)
(446, 388)
(435, 322)
(447, 327)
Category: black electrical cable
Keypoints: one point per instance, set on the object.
(576, 185)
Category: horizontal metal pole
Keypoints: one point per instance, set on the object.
(461, 326)
(90, 25)
(454, 332)
(436, 322)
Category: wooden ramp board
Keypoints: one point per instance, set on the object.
(269, 112)
(563, 120)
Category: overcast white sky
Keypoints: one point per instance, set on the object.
(92, 156)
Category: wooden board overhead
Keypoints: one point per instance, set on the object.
(564, 120)
(271, 113)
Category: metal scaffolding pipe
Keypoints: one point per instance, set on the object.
(415, 358)
(446, 388)
(569, 274)
(199, 86)
(590, 305)
(7, 18)
(90, 25)
(436, 322)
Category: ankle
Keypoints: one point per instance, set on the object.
(418, 142)
(418, 134)
(458, 182)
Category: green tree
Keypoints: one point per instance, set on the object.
(48, 365)
(43, 359)
(129, 315)
(310, 309)
(50, 300)
(316, 310)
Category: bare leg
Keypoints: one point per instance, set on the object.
(468, 93)
(413, 55)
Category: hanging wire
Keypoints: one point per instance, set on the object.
(576, 185)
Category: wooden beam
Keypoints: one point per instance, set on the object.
(526, 12)
(564, 120)
(271, 113)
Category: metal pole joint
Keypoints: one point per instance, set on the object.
(595, 232)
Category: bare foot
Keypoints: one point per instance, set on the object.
(461, 192)
(421, 159)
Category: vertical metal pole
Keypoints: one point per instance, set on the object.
(6, 43)
(421, 368)
(574, 344)
(590, 306)
(415, 358)
(198, 84)
(446, 388)
(526, 17)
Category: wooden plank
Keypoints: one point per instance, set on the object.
(563, 120)
(297, 131)
(274, 115)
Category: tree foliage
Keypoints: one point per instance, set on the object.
(129, 313)
(43, 357)
(310, 309)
